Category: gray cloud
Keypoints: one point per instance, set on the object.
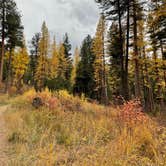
(76, 17)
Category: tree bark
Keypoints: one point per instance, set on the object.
(3, 42)
(163, 58)
(136, 57)
(7, 86)
(127, 52)
(104, 80)
(148, 92)
(121, 54)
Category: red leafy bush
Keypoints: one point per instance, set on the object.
(132, 113)
(52, 103)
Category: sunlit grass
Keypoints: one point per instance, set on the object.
(86, 135)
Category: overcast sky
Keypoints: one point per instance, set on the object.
(76, 17)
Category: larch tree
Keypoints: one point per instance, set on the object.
(114, 10)
(41, 73)
(157, 31)
(100, 61)
(19, 66)
(75, 66)
(113, 51)
(54, 60)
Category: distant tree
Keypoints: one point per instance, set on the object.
(34, 54)
(41, 73)
(67, 49)
(54, 61)
(63, 63)
(75, 66)
(100, 62)
(84, 81)
(59, 64)
(20, 65)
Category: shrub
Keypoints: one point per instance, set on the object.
(132, 113)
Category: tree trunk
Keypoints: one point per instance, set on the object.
(121, 54)
(104, 97)
(148, 92)
(163, 58)
(136, 57)
(127, 52)
(3, 42)
(7, 86)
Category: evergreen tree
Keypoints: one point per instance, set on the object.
(84, 82)
(67, 49)
(34, 54)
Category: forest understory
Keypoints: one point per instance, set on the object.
(67, 130)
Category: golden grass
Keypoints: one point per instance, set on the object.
(89, 135)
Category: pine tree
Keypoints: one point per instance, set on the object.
(34, 54)
(84, 82)
(67, 49)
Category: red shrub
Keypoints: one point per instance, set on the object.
(52, 103)
(132, 113)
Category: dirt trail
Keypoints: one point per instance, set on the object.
(3, 140)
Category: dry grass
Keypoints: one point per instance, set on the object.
(75, 132)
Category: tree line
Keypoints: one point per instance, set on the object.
(125, 59)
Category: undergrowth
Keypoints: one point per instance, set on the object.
(68, 130)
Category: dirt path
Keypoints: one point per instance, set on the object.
(3, 140)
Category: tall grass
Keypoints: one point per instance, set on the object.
(70, 131)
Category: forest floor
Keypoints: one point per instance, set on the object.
(3, 138)
(69, 131)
